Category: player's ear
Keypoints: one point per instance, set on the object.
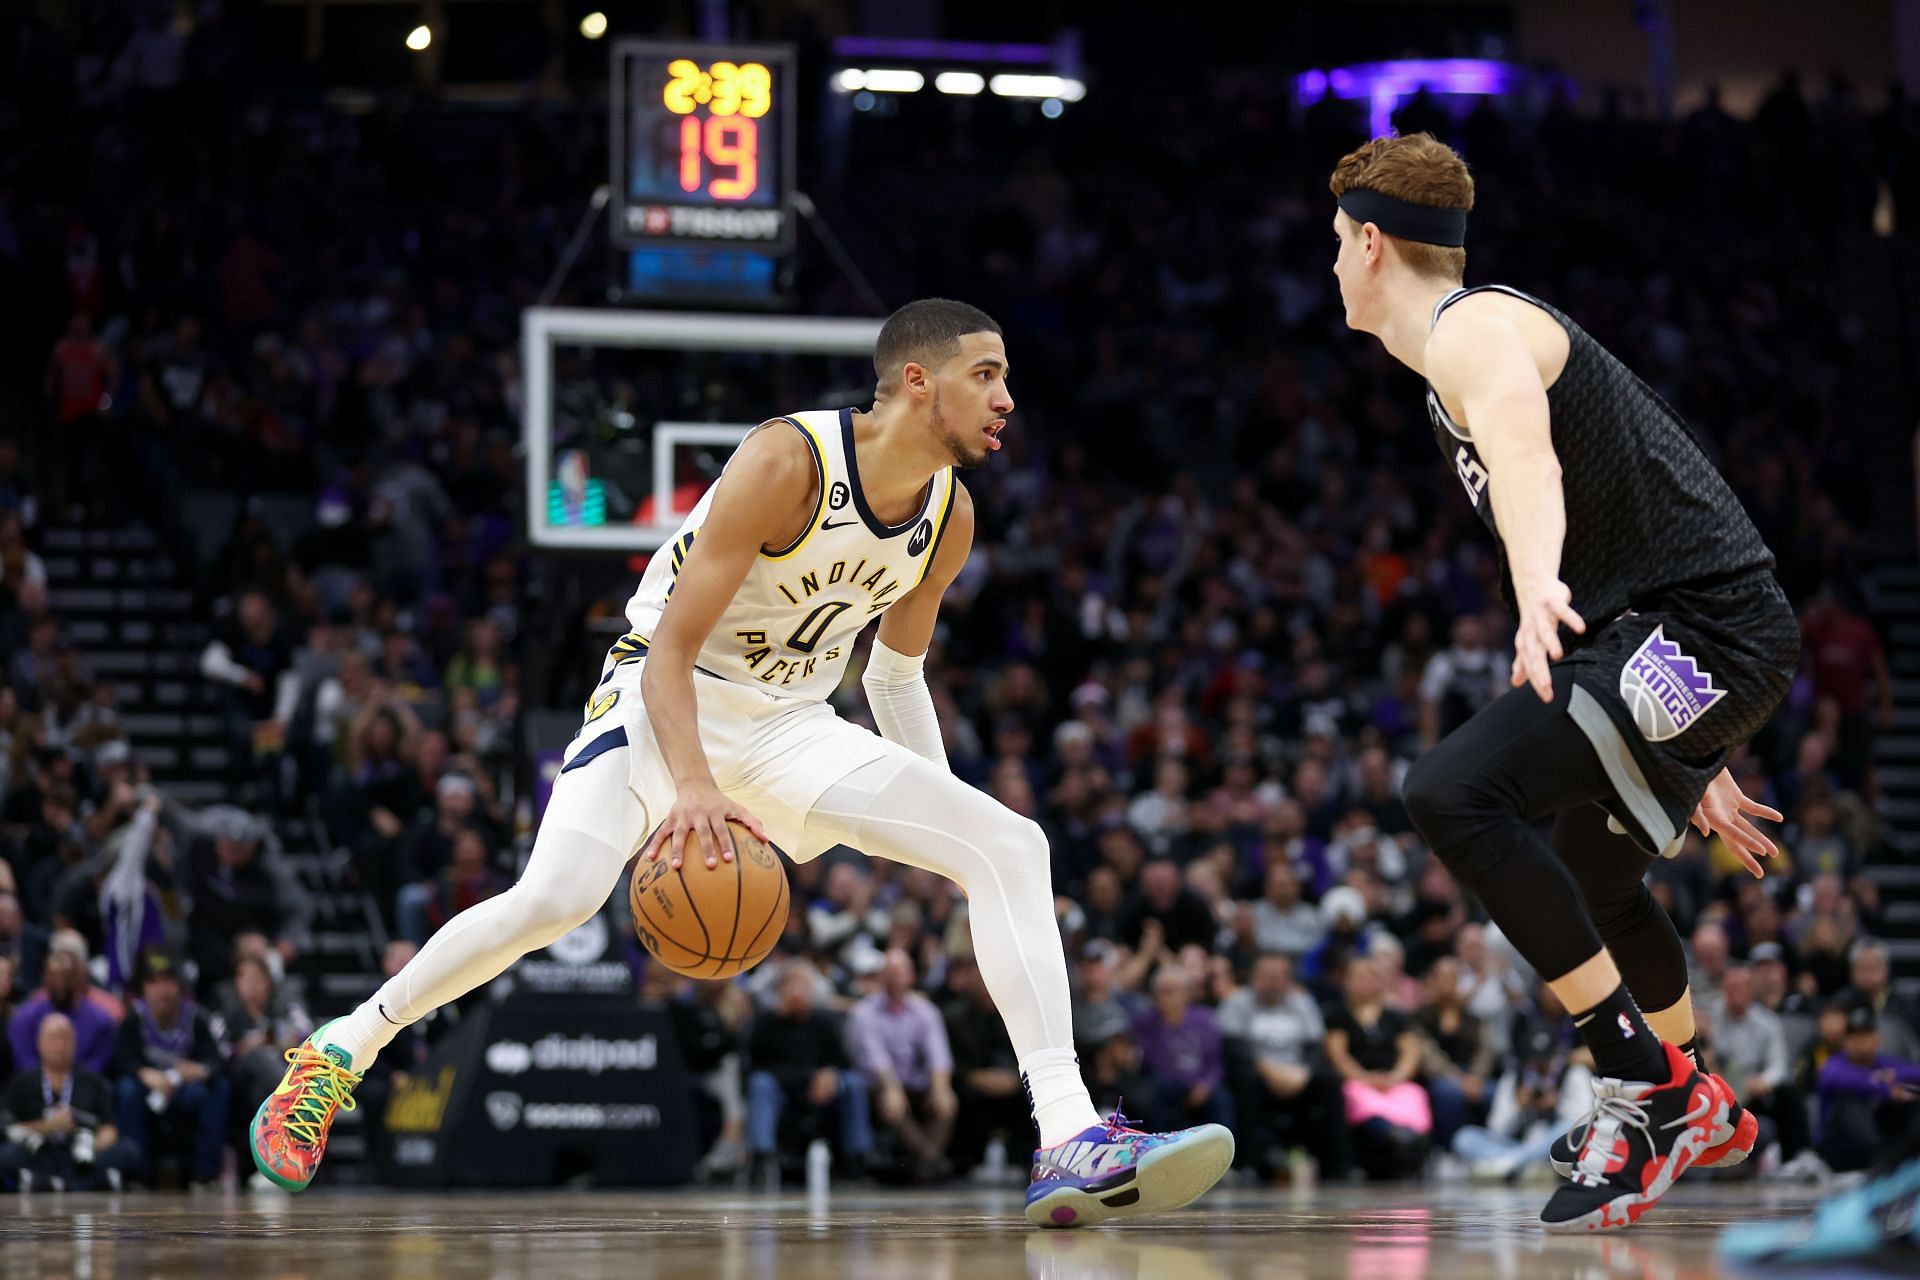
(914, 377)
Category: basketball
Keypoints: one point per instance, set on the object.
(712, 923)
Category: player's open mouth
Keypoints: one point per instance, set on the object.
(993, 430)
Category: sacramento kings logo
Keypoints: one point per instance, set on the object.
(837, 495)
(921, 536)
(1664, 689)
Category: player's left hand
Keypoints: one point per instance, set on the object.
(1536, 645)
(1723, 811)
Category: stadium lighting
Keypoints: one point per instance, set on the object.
(961, 83)
(419, 38)
(594, 25)
(1023, 86)
(893, 80)
(1051, 108)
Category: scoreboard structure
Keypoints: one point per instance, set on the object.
(703, 145)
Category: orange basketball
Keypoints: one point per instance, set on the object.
(711, 923)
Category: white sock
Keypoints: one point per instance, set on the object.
(365, 1032)
(917, 813)
(1061, 1105)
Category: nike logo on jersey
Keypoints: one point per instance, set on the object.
(835, 524)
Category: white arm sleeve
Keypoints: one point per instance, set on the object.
(902, 706)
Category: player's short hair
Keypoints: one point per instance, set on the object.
(1417, 168)
(927, 333)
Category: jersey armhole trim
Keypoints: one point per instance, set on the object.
(940, 526)
(820, 497)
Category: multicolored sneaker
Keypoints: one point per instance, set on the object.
(1643, 1136)
(1872, 1229)
(289, 1131)
(1113, 1171)
(1732, 1142)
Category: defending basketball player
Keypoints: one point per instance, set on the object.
(1652, 641)
(713, 707)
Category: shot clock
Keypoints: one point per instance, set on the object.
(703, 145)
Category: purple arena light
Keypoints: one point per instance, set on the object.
(1383, 84)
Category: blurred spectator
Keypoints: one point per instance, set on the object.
(1164, 915)
(1282, 921)
(22, 943)
(1183, 1055)
(171, 1096)
(1273, 1033)
(259, 1026)
(796, 1056)
(1869, 1100)
(251, 656)
(900, 1044)
(65, 993)
(58, 1120)
(986, 1072)
(1541, 1095)
(240, 883)
(1871, 974)
(1459, 680)
(1377, 1053)
(1100, 1009)
(1828, 1042)
(1750, 1051)
(711, 1028)
(467, 879)
(1457, 1057)
(1844, 656)
(844, 923)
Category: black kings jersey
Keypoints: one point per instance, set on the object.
(1646, 510)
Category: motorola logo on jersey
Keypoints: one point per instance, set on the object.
(921, 536)
(838, 495)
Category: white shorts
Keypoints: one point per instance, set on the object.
(776, 756)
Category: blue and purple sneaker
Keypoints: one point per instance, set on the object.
(1112, 1171)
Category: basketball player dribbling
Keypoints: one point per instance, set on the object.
(1652, 641)
(713, 707)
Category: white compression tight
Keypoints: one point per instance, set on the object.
(570, 875)
(900, 807)
(909, 810)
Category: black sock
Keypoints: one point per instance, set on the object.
(1693, 1051)
(1624, 1048)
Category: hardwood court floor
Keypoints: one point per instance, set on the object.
(1348, 1233)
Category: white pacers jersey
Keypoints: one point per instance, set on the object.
(790, 628)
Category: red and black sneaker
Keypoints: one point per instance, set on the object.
(1733, 1142)
(1642, 1137)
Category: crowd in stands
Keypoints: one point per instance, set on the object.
(1223, 592)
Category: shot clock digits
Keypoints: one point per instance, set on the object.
(703, 143)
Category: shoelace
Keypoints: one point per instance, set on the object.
(1117, 1123)
(323, 1086)
(1611, 1113)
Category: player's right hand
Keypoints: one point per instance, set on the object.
(700, 813)
(1536, 645)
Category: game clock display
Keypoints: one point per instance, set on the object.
(703, 139)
